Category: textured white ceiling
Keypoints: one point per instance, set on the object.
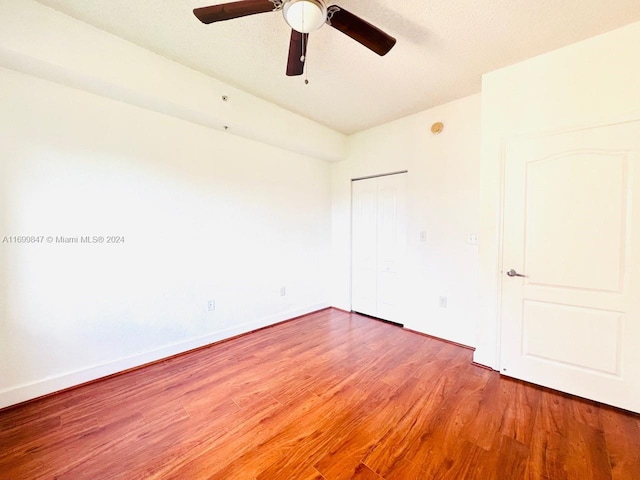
(443, 48)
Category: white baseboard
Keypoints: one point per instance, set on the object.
(481, 358)
(22, 393)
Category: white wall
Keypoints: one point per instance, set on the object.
(443, 200)
(591, 82)
(205, 215)
(40, 41)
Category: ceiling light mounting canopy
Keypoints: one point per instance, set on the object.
(305, 16)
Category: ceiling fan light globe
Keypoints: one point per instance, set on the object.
(305, 16)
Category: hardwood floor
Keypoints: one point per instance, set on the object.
(328, 396)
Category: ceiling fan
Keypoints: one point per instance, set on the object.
(303, 16)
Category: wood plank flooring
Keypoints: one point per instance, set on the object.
(328, 396)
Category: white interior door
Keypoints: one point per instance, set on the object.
(379, 242)
(572, 227)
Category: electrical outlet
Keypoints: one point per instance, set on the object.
(211, 305)
(283, 291)
(443, 302)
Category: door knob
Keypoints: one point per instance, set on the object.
(513, 273)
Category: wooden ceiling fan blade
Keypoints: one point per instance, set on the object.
(297, 53)
(228, 11)
(360, 30)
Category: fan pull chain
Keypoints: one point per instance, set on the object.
(303, 58)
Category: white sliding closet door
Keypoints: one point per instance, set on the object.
(379, 244)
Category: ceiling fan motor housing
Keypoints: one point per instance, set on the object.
(305, 16)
